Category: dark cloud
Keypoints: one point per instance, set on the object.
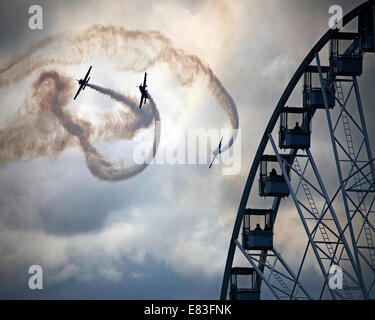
(14, 23)
(150, 280)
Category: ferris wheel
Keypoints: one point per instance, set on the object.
(333, 198)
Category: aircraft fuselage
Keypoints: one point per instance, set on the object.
(142, 89)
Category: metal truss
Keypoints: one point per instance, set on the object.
(276, 274)
(330, 233)
(355, 170)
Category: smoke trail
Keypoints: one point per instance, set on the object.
(42, 127)
(132, 121)
(143, 117)
(53, 91)
(105, 170)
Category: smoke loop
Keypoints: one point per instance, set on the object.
(44, 128)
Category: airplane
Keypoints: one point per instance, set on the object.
(83, 83)
(216, 152)
(144, 92)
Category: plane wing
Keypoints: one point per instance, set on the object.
(87, 74)
(216, 153)
(144, 81)
(140, 104)
(219, 148)
(213, 159)
(79, 90)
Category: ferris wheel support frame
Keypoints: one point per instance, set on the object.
(357, 264)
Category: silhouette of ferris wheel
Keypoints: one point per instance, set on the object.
(335, 210)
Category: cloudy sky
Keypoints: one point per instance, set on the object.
(164, 233)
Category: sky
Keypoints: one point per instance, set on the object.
(163, 233)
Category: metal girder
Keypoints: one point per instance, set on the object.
(357, 265)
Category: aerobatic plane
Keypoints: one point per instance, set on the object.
(144, 92)
(216, 152)
(83, 83)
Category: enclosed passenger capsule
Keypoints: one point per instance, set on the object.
(346, 59)
(244, 284)
(257, 231)
(312, 89)
(271, 180)
(295, 128)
